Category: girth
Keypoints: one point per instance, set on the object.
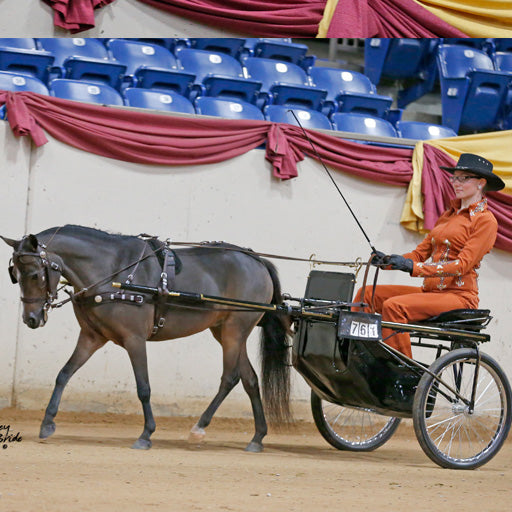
(171, 265)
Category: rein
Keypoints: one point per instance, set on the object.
(358, 263)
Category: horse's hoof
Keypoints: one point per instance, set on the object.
(254, 447)
(47, 429)
(196, 435)
(142, 444)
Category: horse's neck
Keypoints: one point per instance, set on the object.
(84, 262)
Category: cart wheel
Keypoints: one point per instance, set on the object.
(449, 433)
(350, 428)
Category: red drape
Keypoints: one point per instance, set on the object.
(149, 138)
(170, 140)
(75, 15)
(281, 18)
(437, 193)
(263, 18)
(387, 18)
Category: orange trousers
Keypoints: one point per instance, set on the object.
(407, 304)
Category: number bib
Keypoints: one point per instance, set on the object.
(359, 326)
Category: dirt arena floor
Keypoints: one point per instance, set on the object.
(88, 466)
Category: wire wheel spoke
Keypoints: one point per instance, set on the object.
(351, 428)
(451, 432)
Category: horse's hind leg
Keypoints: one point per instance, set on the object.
(230, 378)
(88, 342)
(250, 383)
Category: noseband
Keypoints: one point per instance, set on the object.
(46, 273)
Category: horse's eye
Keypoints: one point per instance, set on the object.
(34, 277)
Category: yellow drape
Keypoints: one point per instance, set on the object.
(495, 146)
(330, 7)
(476, 18)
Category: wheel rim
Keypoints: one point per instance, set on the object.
(356, 426)
(457, 434)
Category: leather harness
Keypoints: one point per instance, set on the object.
(171, 265)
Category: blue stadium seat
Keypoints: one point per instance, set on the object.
(307, 118)
(24, 43)
(158, 100)
(230, 45)
(231, 109)
(171, 43)
(503, 62)
(150, 66)
(282, 50)
(36, 63)
(397, 58)
(80, 90)
(423, 131)
(218, 74)
(15, 82)
(251, 42)
(284, 83)
(503, 44)
(361, 123)
(402, 59)
(349, 91)
(473, 94)
(83, 59)
(479, 43)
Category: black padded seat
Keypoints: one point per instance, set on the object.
(472, 319)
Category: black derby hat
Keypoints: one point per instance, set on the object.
(481, 167)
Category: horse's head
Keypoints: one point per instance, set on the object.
(38, 274)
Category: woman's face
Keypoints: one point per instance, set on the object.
(467, 185)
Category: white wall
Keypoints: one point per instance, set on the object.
(237, 201)
(33, 18)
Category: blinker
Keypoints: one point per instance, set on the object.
(12, 275)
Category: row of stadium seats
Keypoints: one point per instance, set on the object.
(171, 101)
(198, 72)
(475, 95)
(475, 77)
(239, 48)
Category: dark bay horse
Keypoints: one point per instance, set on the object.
(89, 259)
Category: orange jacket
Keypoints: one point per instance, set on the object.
(456, 245)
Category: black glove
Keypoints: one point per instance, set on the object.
(397, 262)
(378, 258)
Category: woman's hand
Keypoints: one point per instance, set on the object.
(397, 262)
(378, 258)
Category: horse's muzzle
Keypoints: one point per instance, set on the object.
(35, 320)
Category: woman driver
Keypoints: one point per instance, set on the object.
(461, 237)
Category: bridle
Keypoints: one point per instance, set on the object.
(48, 276)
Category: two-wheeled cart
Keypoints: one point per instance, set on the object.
(361, 388)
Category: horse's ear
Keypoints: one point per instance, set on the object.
(32, 241)
(10, 242)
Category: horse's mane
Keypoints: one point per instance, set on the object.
(83, 231)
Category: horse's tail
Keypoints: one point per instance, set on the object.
(274, 352)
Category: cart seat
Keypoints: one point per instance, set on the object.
(468, 319)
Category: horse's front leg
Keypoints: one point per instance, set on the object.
(88, 342)
(136, 348)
